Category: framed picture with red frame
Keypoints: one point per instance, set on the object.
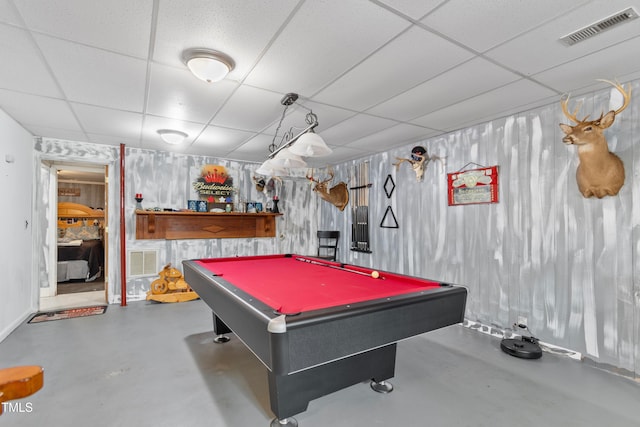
(473, 186)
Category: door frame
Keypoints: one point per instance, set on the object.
(52, 217)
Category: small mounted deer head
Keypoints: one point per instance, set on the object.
(259, 183)
(600, 172)
(419, 161)
(337, 195)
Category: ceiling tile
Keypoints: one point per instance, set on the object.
(249, 109)
(392, 137)
(113, 140)
(159, 145)
(240, 29)
(413, 9)
(43, 112)
(467, 80)
(121, 26)
(57, 133)
(402, 64)
(354, 128)
(487, 106)
(175, 93)
(482, 25)
(256, 149)
(582, 73)
(544, 50)
(217, 141)
(339, 155)
(106, 121)
(23, 68)
(9, 14)
(323, 40)
(95, 76)
(152, 124)
(296, 117)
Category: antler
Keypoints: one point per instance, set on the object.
(402, 160)
(317, 181)
(311, 178)
(565, 110)
(330, 172)
(626, 96)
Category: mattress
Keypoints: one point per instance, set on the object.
(70, 270)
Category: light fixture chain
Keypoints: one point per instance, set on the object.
(273, 146)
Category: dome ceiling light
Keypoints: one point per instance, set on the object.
(173, 137)
(207, 64)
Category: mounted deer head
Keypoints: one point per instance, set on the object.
(419, 161)
(259, 183)
(600, 172)
(337, 195)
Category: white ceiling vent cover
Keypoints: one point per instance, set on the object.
(599, 27)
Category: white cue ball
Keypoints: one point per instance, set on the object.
(375, 274)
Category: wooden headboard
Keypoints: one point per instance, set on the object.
(68, 210)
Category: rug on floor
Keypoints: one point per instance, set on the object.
(68, 313)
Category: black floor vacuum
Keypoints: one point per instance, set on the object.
(525, 347)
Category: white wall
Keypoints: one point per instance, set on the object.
(17, 297)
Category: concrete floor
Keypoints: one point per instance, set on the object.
(153, 364)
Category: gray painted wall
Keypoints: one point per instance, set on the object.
(164, 179)
(565, 263)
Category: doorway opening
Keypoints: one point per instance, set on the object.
(78, 273)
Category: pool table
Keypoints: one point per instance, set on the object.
(319, 326)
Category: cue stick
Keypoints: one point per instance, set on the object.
(359, 180)
(358, 194)
(355, 208)
(310, 261)
(354, 244)
(360, 205)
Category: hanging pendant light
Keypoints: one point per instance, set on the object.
(268, 168)
(286, 159)
(310, 144)
(288, 153)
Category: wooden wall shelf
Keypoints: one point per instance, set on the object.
(204, 225)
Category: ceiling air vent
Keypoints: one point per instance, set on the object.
(599, 27)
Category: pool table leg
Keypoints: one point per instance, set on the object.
(381, 386)
(286, 422)
(220, 329)
(290, 394)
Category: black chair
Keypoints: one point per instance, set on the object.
(328, 244)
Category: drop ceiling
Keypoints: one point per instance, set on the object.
(378, 74)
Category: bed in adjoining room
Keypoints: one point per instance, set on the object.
(80, 244)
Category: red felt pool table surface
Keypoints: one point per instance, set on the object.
(294, 284)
